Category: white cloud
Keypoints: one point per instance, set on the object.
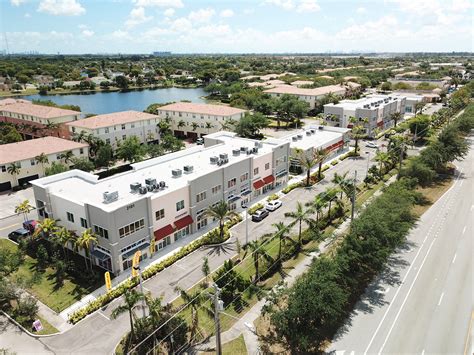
(83, 26)
(227, 13)
(301, 6)
(120, 34)
(249, 11)
(158, 3)
(17, 2)
(181, 25)
(380, 29)
(284, 4)
(136, 17)
(27, 15)
(307, 6)
(88, 33)
(61, 7)
(169, 12)
(361, 10)
(202, 15)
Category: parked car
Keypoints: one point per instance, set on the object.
(259, 215)
(200, 141)
(18, 234)
(372, 145)
(273, 205)
(30, 225)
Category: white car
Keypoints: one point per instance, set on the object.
(273, 205)
(372, 145)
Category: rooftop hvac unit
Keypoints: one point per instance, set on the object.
(188, 169)
(249, 152)
(214, 159)
(255, 150)
(294, 139)
(143, 190)
(256, 144)
(110, 196)
(308, 133)
(300, 136)
(235, 152)
(243, 149)
(176, 172)
(150, 181)
(321, 128)
(162, 184)
(151, 187)
(313, 131)
(260, 144)
(223, 156)
(135, 186)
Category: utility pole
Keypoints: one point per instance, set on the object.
(402, 148)
(353, 196)
(246, 225)
(368, 161)
(217, 308)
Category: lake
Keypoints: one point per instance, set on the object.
(105, 102)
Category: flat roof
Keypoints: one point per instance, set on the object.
(320, 139)
(292, 90)
(205, 109)
(355, 104)
(13, 152)
(81, 187)
(111, 119)
(41, 111)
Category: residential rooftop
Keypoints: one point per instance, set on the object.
(81, 187)
(30, 109)
(292, 90)
(320, 137)
(13, 152)
(369, 100)
(111, 119)
(205, 109)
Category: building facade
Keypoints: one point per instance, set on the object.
(114, 128)
(23, 155)
(193, 120)
(162, 199)
(376, 109)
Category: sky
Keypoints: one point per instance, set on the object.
(238, 26)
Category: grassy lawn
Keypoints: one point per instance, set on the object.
(44, 286)
(234, 347)
(432, 193)
(47, 328)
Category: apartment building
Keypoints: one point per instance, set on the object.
(376, 109)
(33, 121)
(194, 120)
(165, 198)
(118, 126)
(309, 95)
(22, 155)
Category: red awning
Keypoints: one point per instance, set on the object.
(269, 179)
(258, 184)
(183, 222)
(163, 232)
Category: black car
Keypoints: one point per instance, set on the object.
(18, 234)
(259, 215)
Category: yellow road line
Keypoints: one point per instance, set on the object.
(13, 225)
(466, 343)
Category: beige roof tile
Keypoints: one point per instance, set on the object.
(205, 109)
(111, 119)
(41, 111)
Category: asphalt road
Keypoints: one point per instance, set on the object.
(423, 302)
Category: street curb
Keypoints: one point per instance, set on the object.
(25, 330)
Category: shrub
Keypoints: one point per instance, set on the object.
(290, 188)
(254, 208)
(334, 162)
(272, 197)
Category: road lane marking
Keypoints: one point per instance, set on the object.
(423, 352)
(472, 207)
(454, 258)
(468, 335)
(461, 183)
(464, 230)
(441, 299)
(406, 297)
(103, 315)
(12, 225)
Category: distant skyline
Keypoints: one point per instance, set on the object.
(268, 26)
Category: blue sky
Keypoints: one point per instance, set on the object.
(224, 26)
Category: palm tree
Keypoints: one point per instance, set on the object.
(358, 132)
(282, 234)
(221, 212)
(14, 170)
(308, 162)
(340, 181)
(396, 117)
(383, 159)
(331, 194)
(195, 300)
(51, 125)
(209, 125)
(63, 237)
(67, 156)
(181, 123)
(419, 107)
(46, 228)
(24, 208)
(42, 159)
(320, 155)
(299, 216)
(86, 241)
(150, 136)
(131, 298)
(258, 252)
(317, 205)
(195, 126)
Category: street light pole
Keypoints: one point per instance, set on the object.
(368, 160)
(246, 225)
(353, 196)
(217, 309)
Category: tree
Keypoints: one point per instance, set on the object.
(56, 168)
(383, 159)
(131, 150)
(24, 208)
(290, 108)
(419, 127)
(181, 124)
(195, 126)
(283, 235)
(419, 107)
(396, 117)
(171, 144)
(83, 164)
(195, 301)
(250, 125)
(45, 228)
(320, 156)
(307, 161)
(209, 125)
(86, 241)
(64, 237)
(222, 213)
(422, 172)
(155, 150)
(205, 268)
(317, 205)
(121, 82)
(42, 159)
(386, 86)
(230, 282)
(341, 181)
(131, 298)
(299, 216)
(104, 156)
(14, 170)
(358, 131)
(258, 252)
(67, 156)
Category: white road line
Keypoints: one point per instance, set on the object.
(103, 315)
(441, 299)
(472, 207)
(464, 230)
(454, 258)
(461, 183)
(406, 297)
(423, 352)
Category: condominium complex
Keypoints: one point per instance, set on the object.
(165, 198)
(118, 126)
(23, 156)
(376, 109)
(193, 120)
(34, 121)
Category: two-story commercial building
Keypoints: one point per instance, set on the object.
(33, 121)
(118, 126)
(165, 198)
(193, 120)
(376, 109)
(23, 156)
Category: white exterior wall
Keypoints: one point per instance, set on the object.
(259, 162)
(168, 203)
(41, 120)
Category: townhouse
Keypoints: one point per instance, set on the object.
(194, 120)
(376, 109)
(23, 156)
(33, 121)
(162, 200)
(118, 126)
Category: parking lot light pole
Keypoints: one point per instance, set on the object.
(368, 160)
(246, 225)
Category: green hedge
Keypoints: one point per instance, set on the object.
(255, 207)
(334, 162)
(290, 188)
(272, 197)
(211, 237)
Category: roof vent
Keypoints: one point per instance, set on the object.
(313, 131)
(235, 152)
(249, 152)
(320, 128)
(300, 136)
(135, 186)
(150, 181)
(308, 133)
(223, 156)
(143, 190)
(255, 150)
(243, 149)
(188, 169)
(110, 196)
(214, 160)
(176, 172)
(294, 139)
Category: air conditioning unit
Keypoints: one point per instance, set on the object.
(300, 136)
(235, 152)
(243, 149)
(188, 169)
(255, 150)
(219, 162)
(249, 152)
(176, 172)
(135, 186)
(294, 139)
(143, 190)
(256, 144)
(110, 196)
(313, 131)
(308, 133)
(320, 128)
(150, 181)
(223, 156)
(214, 159)
(162, 184)
(150, 187)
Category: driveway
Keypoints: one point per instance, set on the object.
(16, 341)
(9, 200)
